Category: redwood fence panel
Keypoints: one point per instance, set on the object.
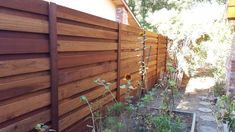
(51, 55)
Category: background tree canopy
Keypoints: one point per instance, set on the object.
(199, 29)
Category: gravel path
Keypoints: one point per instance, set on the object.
(195, 99)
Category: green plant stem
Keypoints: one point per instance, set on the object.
(113, 96)
(92, 116)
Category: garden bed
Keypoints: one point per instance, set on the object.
(143, 116)
(142, 120)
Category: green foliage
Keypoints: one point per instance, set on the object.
(167, 123)
(165, 102)
(171, 68)
(226, 111)
(148, 97)
(219, 89)
(199, 29)
(112, 124)
(116, 109)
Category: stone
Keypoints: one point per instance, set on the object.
(203, 98)
(207, 129)
(207, 118)
(204, 103)
(205, 110)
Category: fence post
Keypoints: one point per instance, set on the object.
(166, 54)
(119, 62)
(53, 66)
(145, 77)
(158, 56)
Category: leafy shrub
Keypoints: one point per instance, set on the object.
(116, 109)
(167, 123)
(219, 89)
(226, 111)
(112, 124)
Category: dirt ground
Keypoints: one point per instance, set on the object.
(194, 98)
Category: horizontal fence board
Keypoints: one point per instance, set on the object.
(75, 102)
(78, 16)
(14, 67)
(22, 84)
(76, 87)
(28, 123)
(151, 40)
(130, 62)
(10, 110)
(73, 74)
(78, 115)
(128, 70)
(127, 36)
(82, 59)
(25, 24)
(39, 6)
(126, 55)
(21, 45)
(87, 48)
(162, 46)
(75, 30)
(66, 46)
(131, 45)
(131, 29)
(151, 34)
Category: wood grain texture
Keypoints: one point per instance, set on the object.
(130, 62)
(151, 34)
(127, 36)
(70, 104)
(131, 29)
(74, 74)
(54, 66)
(75, 30)
(65, 61)
(12, 109)
(14, 67)
(126, 55)
(70, 89)
(131, 45)
(25, 24)
(78, 115)
(68, 46)
(119, 50)
(22, 84)
(28, 123)
(22, 45)
(39, 6)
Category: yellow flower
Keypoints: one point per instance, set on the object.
(141, 34)
(128, 77)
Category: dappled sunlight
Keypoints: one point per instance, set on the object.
(183, 105)
(199, 83)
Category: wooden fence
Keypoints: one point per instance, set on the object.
(50, 56)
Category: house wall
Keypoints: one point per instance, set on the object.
(230, 75)
(102, 8)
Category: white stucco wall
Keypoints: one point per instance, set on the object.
(102, 8)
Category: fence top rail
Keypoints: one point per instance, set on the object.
(151, 34)
(32, 6)
(133, 29)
